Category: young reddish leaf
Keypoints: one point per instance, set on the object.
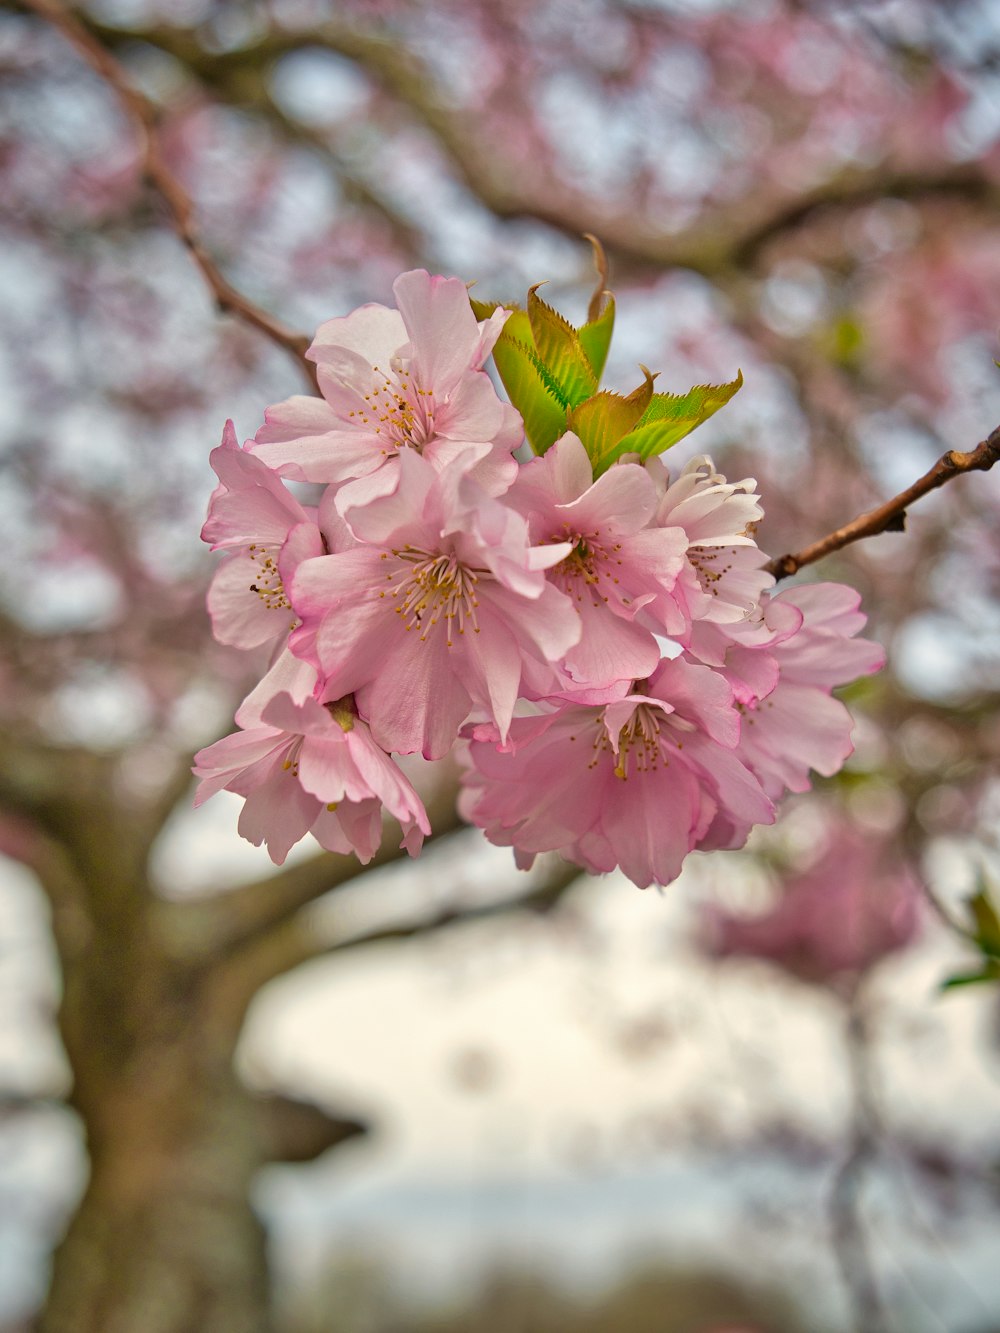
(604, 419)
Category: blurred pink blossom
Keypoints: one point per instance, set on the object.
(857, 903)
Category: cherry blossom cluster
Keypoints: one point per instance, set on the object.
(606, 654)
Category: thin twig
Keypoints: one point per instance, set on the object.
(891, 517)
(143, 112)
(847, 1224)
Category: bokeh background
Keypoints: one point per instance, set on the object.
(449, 1096)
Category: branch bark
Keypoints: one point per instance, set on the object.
(142, 111)
(891, 517)
(718, 245)
(223, 926)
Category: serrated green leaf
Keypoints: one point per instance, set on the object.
(670, 417)
(560, 351)
(698, 404)
(602, 420)
(595, 336)
(482, 309)
(531, 388)
(532, 391)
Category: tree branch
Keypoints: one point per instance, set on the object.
(718, 244)
(891, 517)
(540, 900)
(294, 943)
(205, 931)
(142, 111)
(850, 1243)
(295, 1130)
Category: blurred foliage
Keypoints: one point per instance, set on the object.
(356, 1298)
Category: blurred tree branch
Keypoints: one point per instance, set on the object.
(224, 925)
(850, 1242)
(144, 114)
(294, 1130)
(295, 942)
(731, 238)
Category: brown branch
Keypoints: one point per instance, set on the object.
(891, 517)
(294, 1130)
(144, 114)
(296, 942)
(229, 922)
(540, 900)
(240, 79)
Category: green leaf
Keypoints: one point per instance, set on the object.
(482, 309)
(560, 350)
(602, 420)
(670, 417)
(985, 935)
(987, 924)
(991, 972)
(595, 336)
(698, 404)
(531, 388)
(532, 391)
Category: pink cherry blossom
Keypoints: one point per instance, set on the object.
(440, 585)
(636, 784)
(254, 517)
(723, 576)
(312, 768)
(616, 565)
(406, 379)
(442, 607)
(798, 726)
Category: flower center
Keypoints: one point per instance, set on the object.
(580, 573)
(343, 711)
(638, 744)
(398, 411)
(267, 582)
(711, 564)
(431, 587)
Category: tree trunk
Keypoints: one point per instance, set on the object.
(164, 1240)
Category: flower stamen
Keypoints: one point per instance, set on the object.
(399, 411)
(267, 584)
(437, 587)
(639, 743)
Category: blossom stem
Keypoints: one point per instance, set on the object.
(891, 517)
(144, 113)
